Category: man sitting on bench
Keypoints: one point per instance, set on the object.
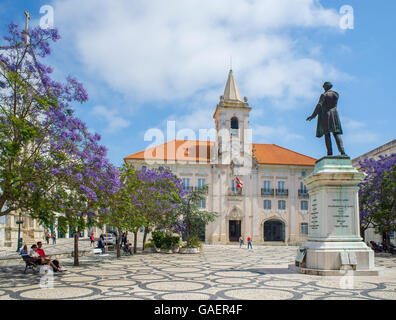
(101, 244)
(46, 260)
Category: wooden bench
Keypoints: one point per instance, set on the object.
(29, 264)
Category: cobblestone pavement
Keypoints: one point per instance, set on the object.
(220, 272)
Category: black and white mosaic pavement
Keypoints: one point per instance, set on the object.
(220, 272)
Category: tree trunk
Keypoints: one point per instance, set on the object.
(144, 238)
(118, 244)
(362, 234)
(135, 241)
(76, 262)
(388, 242)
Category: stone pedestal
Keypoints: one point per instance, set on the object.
(334, 244)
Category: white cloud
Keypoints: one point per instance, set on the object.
(113, 121)
(170, 50)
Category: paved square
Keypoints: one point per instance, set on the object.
(220, 272)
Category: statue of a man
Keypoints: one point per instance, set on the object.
(328, 119)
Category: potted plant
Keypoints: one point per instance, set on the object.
(192, 246)
(158, 239)
(150, 247)
(176, 244)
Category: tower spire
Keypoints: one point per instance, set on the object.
(231, 92)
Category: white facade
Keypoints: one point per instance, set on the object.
(259, 210)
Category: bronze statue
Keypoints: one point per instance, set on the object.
(328, 119)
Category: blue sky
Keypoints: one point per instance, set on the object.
(146, 62)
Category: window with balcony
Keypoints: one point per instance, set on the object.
(281, 190)
(234, 189)
(303, 191)
(266, 190)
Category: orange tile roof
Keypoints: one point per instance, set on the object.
(194, 151)
(274, 154)
(180, 150)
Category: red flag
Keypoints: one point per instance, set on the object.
(239, 183)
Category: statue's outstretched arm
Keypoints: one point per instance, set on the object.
(317, 109)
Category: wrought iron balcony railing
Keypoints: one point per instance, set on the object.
(303, 193)
(282, 192)
(267, 192)
(235, 192)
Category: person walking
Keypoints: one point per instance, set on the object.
(54, 237)
(47, 236)
(240, 242)
(249, 243)
(92, 239)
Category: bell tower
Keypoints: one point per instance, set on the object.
(232, 122)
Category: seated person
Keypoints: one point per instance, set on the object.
(128, 247)
(54, 263)
(35, 256)
(24, 251)
(101, 244)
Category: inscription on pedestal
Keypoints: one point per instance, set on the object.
(340, 209)
(314, 217)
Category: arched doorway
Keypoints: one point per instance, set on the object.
(274, 230)
(234, 230)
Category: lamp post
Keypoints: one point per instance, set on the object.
(19, 222)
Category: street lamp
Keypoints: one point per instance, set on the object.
(19, 222)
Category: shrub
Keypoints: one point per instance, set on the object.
(176, 241)
(150, 245)
(193, 242)
(165, 241)
(158, 238)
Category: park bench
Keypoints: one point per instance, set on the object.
(97, 251)
(29, 264)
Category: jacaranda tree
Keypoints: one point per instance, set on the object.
(158, 198)
(377, 195)
(49, 161)
(121, 210)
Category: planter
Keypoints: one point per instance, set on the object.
(150, 250)
(189, 250)
(176, 249)
(166, 251)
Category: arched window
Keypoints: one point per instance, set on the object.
(234, 123)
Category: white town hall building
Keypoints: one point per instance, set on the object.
(272, 206)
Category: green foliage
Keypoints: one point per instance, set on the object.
(62, 225)
(195, 219)
(150, 245)
(193, 242)
(158, 238)
(165, 241)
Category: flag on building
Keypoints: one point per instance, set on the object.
(239, 183)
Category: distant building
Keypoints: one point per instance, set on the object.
(384, 150)
(272, 204)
